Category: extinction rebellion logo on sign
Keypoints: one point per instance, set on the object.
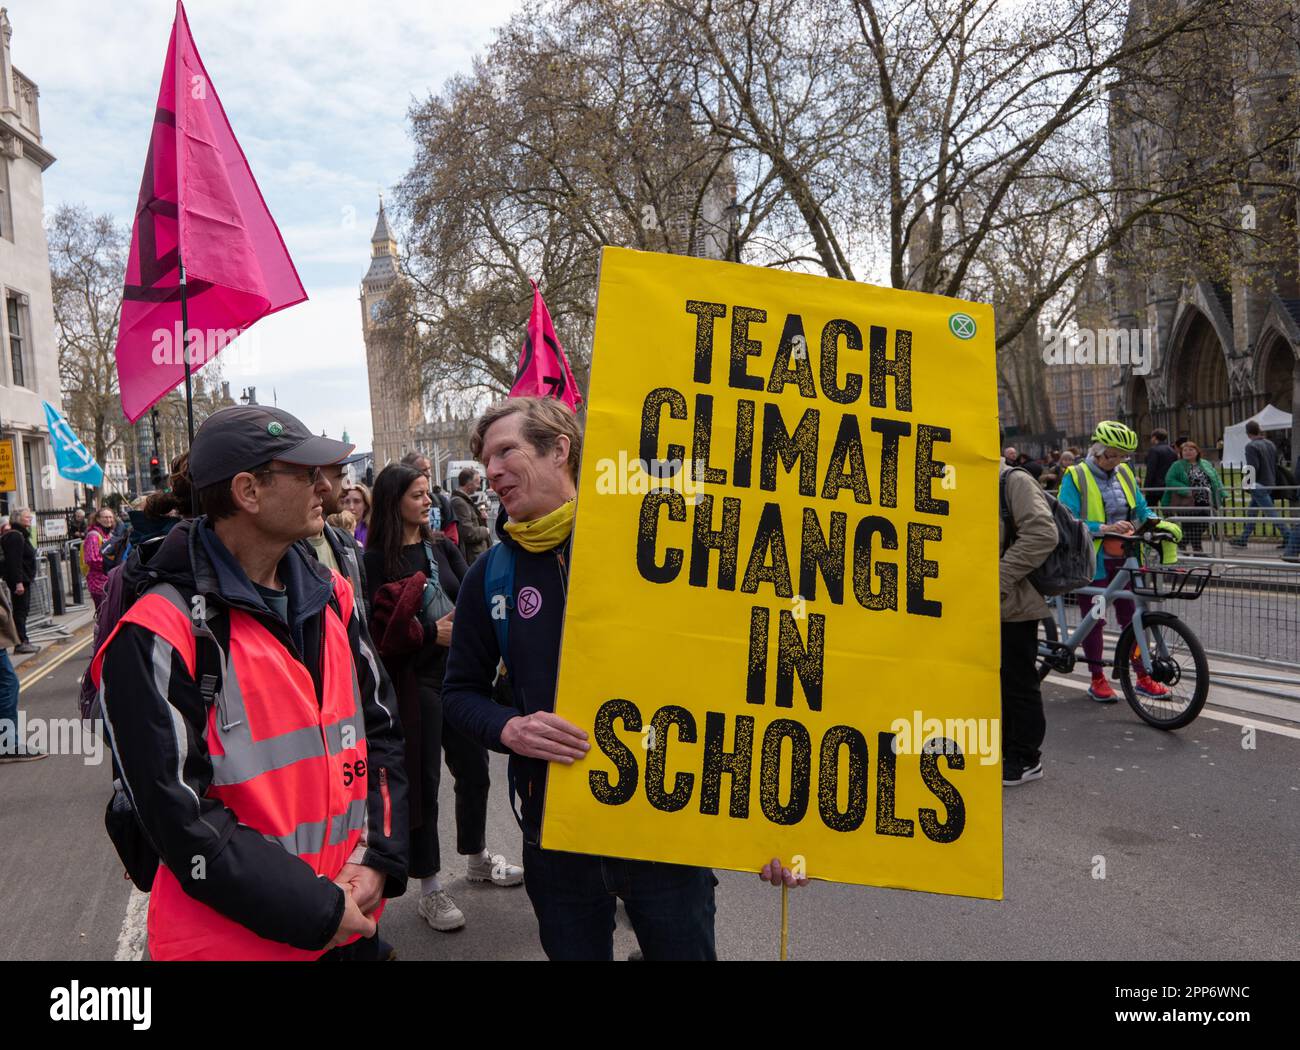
(962, 326)
(742, 658)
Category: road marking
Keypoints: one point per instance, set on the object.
(51, 666)
(1217, 716)
(133, 936)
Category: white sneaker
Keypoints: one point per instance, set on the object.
(496, 870)
(440, 912)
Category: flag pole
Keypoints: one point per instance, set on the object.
(185, 353)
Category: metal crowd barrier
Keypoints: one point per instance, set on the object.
(1248, 611)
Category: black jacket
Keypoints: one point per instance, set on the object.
(534, 663)
(19, 558)
(156, 721)
(350, 556)
(1159, 459)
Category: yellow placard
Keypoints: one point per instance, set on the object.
(783, 637)
(8, 475)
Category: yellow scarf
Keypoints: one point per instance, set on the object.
(550, 530)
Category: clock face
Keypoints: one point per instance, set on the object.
(375, 307)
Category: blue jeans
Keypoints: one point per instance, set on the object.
(1260, 497)
(8, 698)
(671, 906)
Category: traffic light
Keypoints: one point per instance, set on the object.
(155, 472)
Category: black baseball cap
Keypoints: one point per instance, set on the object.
(243, 437)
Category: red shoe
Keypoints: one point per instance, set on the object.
(1100, 689)
(1148, 686)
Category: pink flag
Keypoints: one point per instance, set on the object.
(543, 369)
(199, 204)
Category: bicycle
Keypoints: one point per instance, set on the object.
(1168, 649)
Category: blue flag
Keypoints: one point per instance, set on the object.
(73, 459)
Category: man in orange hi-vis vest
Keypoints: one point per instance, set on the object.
(254, 732)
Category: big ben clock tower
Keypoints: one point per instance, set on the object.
(394, 407)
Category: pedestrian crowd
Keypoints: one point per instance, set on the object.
(283, 662)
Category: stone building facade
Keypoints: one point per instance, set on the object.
(29, 361)
(1226, 334)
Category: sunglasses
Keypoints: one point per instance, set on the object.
(312, 475)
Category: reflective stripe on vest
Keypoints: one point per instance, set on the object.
(1094, 506)
(288, 767)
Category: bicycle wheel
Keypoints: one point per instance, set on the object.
(1049, 634)
(1178, 663)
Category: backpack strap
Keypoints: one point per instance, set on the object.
(209, 653)
(1005, 507)
(499, 582)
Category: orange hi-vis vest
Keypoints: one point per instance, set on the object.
(287, 767)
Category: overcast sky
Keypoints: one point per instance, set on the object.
(317, 93)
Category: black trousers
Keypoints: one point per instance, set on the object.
(468, 762)
(1023, 722)
(22, 603)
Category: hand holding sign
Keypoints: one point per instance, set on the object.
(547, 736)
(775, 873)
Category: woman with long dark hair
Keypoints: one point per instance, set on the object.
(414, 575)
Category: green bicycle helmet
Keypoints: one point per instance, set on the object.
(1115, 434)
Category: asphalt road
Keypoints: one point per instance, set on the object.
(1201, 840)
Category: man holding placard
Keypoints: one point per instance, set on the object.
(511, 607)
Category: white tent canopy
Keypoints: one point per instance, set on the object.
(1234, 437)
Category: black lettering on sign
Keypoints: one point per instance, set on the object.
(769, 777)
(920, 569)
(887, 823)
(944, 791)
(743, 348)
(828, 779)
(703, 438)
(868, 597)
(744, 443)
(756, 675)
(793, 657)
(817, 552)
(651, 413)
(792, 364)
(655, 787)
(705, 316)
(725, 540)
(602, 788)
(647, 532)
(928, 468)
(852, 388)
(800, 446)
(769, 537)
(899, 366)
(848, 466)
(890, 430)
(736, 764)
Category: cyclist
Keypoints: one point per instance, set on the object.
(1103, 492)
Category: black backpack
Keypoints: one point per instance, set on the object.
(139, 855)
(1073, 560)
